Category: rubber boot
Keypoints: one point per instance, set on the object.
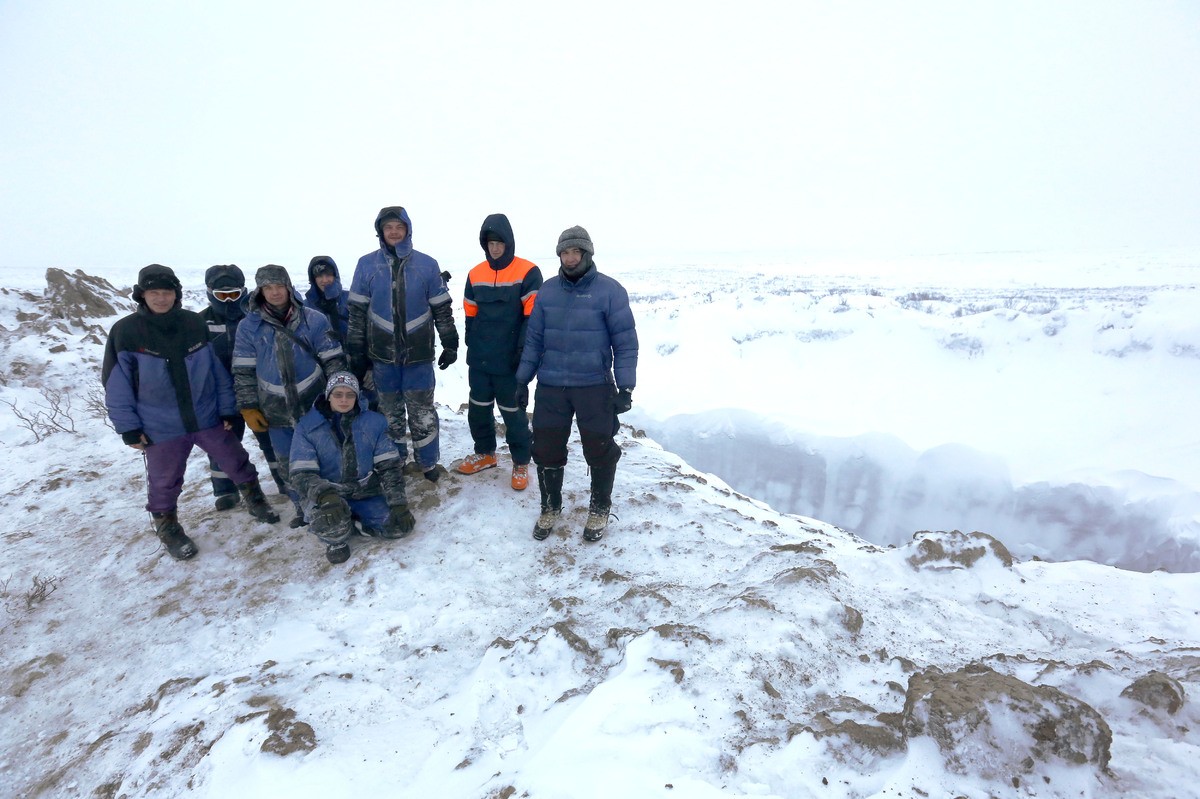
(170, 532)
(550, 482)
(256, 502)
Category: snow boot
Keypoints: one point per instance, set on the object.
(601, 501)
(256, 502)
(550, 484)
(477, 463)
(170, 532)
(597, 521)
(337, 553)
(226, 501)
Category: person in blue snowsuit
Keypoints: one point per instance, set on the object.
(282, 356)
(346, 468)
(166, 391)
(398, 297)
(228, 301)
(581, 343)
(325, 294)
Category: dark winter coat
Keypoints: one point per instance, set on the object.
(497, 301)
(397, 299)
(163, 377)
(277, 374)
(581, 334)
(350, 453)
(334, 301)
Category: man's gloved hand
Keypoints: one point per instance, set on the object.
(136, 439)
(331, 515)
(624, 400)
(523, 395)
(368, 380)
(400, 522)
(446, 278)
(447, 357)
(255, 419)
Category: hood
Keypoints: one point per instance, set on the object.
(394, 212)
(225, 276)
(327, 264)
(498, 225)
(157, 276)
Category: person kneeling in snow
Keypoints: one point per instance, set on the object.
(166, 391)
(346, 468)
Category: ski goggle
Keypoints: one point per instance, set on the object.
(227, 295)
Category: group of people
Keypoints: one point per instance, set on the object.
(335, 384)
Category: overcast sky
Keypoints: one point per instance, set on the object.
(255, 132)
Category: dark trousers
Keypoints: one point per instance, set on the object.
(488, 390)
(221, 484)
(166, 462)
(593, 411)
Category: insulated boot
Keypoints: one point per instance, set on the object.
(226, 501)
(597, 520)
(520, 477)
(170, 532)
(601, 502)
(256, 502)
(550, 485)
(337, 553)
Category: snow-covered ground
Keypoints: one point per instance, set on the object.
(719, 641)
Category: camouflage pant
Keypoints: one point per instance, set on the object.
(406, 399)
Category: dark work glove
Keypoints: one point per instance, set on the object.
(400, 522)
(446, 277)
(331, 516)
(624, 400)
(447, 357)
(523, 395)
(135, 437)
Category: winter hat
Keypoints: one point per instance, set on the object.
(320, 265)
(346, 379)
(224, 277)
(575, 237)
(272, 273)
(157, 276)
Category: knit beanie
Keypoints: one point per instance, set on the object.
(157, 276)
(575, 237)
(346, 379)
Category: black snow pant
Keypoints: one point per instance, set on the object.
(593, 411)
(222, 485)
(487, 391)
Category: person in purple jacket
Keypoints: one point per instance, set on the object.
(167, 391)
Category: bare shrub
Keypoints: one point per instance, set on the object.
(51, 415)
(95, 407)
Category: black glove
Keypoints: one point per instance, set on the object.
(446, 277)
(359, 367)
(136, 437)
(234, 419)
(523, 395)
(624, 400)
(331, 516)
(447, 357)
(400, 521)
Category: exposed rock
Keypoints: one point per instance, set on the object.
(956, 550)
(78, 296)
(1157, 690)
(994, 725)
(288, 735)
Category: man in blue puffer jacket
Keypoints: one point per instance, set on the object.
(346, 467)
(282, 356)
(582, 345)
(167, 391)
(397, 299)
